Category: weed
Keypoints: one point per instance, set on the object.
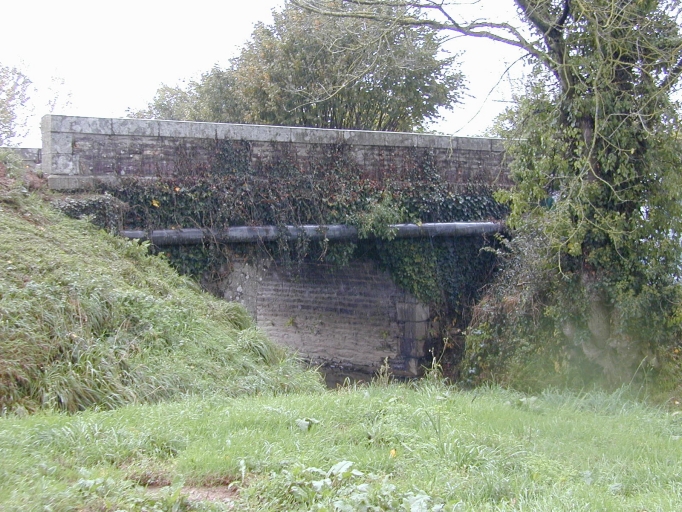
(384, 376)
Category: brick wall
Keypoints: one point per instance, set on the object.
(353, 316)
(79, 151)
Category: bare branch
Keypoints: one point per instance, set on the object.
(499, 32)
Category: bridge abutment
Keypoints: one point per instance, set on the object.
(353, 316)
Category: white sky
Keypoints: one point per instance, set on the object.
(114, 55)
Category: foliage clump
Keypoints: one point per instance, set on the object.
(91, 320)
(596, 158)
(14, 94)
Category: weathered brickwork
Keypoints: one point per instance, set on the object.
(78, 151)
(353, 315)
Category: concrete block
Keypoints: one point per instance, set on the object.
(136, 127)
(204, 130)
(46, 123)
(412, 347)
(347, 136)
(410, 310)
(497, 145)
(407, 303)
(391, 139)
(405, 366)
(363, 138)
(405, 140)
(252, 132)
(179, 129)
(61, 164)
(445, 143)
(264, 133)
(228, 131)
(412, 367)
(409, 336)
(425, 140)
(403, 311)
(473, 143)
(61, 143)
(46, 163)
(74, 124)
(421, 312)
(421, 330)
(280, 134)
(415, 331)
(317, 136)
(61, 182)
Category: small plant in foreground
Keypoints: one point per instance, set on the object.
(343, 489)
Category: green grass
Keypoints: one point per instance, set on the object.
(412, 447)
(91, 320)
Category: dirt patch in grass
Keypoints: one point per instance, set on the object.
(222, 494)
(225, 494)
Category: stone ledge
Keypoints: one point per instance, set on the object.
(53, 124)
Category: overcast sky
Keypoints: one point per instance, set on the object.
(113, 55)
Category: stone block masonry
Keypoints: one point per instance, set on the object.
(79, 152)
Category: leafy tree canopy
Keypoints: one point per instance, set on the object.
(311, 70)
(597, 165)
(14, 88)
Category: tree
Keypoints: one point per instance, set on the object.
(596, 160)
(14, 87)
(344, 73)
(213, 98)
(311, 70)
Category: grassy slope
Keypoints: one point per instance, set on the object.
(87, 319)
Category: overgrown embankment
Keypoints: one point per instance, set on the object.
(87, 319)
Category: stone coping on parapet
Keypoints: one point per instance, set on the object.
(262, 133)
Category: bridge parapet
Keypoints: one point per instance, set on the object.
(79, 152)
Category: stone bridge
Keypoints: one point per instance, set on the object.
(354, 316)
